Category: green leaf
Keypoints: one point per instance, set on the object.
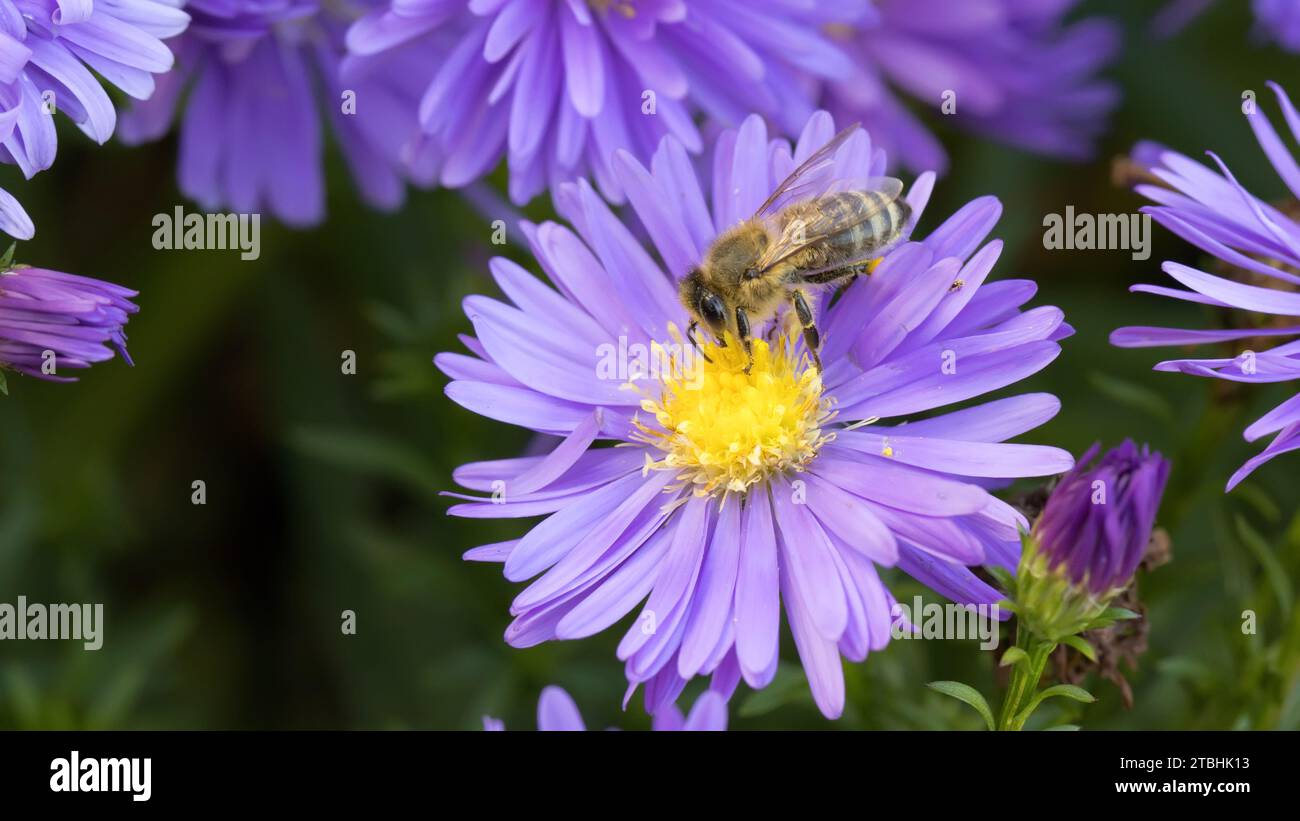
(1002, 576)
(1111, 615)
(1268, 562)
(1082, 646)
(1289, 718)
(1063, 727)
(1014, 655)
(391, 321)
(23, 695)
(1064, 690)
(140, 653)
(4, 384)
(368, 453)
(7, 261)
(787, 687)
(1069, 691)
(1187, 669)
(1132, 395)
(1254, 495)
(967, 694)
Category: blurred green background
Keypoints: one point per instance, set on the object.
(322, 488)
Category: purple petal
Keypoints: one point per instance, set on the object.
(556, 711)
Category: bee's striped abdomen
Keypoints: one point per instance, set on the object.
(864, 235)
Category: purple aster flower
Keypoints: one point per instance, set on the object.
(734, 487)
(1258, 249)
(260, 76)
(556, 711)
(1089, 539)
(558, 86)
(1012, 68)
(50, 54)
(51, 322)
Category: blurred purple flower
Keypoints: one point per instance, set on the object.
(260, 74)
(556, 711)
(1278, 20)
(1275, 20)
(1018, 72)
(732, 494)
(50, 54)
(1098, 520)
(558, 86)
(1257, 241)
(76, 318)
(48, 51)
(1176, 14)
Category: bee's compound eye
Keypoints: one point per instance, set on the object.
(712, 310)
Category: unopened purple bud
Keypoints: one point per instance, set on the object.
(52, 323)
(1097, 522)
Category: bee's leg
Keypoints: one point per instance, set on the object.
(811, 338)
(842, 276)
(742, 330)
(690, 336)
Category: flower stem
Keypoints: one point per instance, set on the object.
(1025, 676)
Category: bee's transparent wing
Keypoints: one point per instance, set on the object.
(810, 177)
(806, 224)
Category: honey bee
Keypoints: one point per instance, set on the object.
(826, 232)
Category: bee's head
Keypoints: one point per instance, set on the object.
(703, 304)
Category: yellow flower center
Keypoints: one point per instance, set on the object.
(724, 429)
